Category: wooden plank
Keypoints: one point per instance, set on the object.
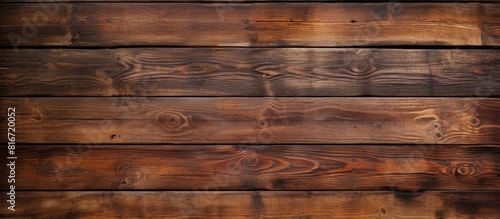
(256, 120)
(491, 34)
(250, 72)
(267, 167)
(254, 24)
(255, 205)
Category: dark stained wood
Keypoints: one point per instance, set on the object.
(491, 35)
(259, 24)
(230, 2)
(256, 204)
(256, 120)
(250, 72)
(268, 167)
(170, 108)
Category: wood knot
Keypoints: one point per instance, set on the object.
(36, 116)
(474, 121)
(438, 135)
(265, 136)
(464, 169)
(253, 162)
(262, 124)
(74, 38)
(248, 25)
(48, 167)
(172, 120)
(268, 71)
(130, 174)
(361, 66)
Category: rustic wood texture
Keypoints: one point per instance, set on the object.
(258, 24)
(256, 205)
(250, 72)
(239, 1)
(171, 108)
(256, 120)
(263, 167)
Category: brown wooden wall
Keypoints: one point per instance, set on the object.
(251, 108)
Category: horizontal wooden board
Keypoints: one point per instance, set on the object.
(254, 205)
(264, 167)
(250, 72)
(256, 24)
(255, 120)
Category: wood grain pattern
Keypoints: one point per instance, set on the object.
(250, 72)
(256, 204)
(170, 108)
(264, 167)
(239, 1)
(256, 120)
(259, 24)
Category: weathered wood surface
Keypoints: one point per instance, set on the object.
(195, 204)
(250, 72)
(239, 1)
(256, 120)
(264, 167)
(257, 24)
(215, 120)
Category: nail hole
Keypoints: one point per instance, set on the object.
(436, 126)
(262, 123)
(474, 121)
(438, 135)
